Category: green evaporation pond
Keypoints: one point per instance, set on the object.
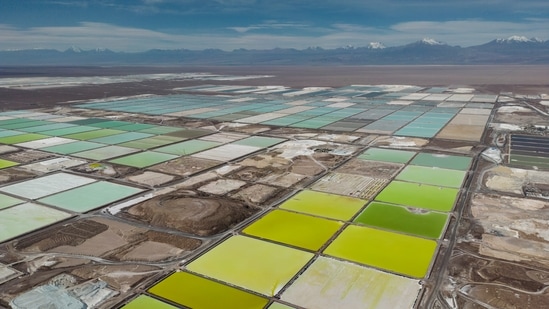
(147, 302)
(189, 133)
(6, 122)
(294, 229)
(7, 163)
(160, 130)
(27, 124)
(283, 121)
(88, 121)
(387, 155)
(87, 135)
(432, 176)
(121, 138)
(90, 196)
(253, 264)
(401, 219)
(144, 159)
(69, 130)
(151, 142)
(6, 133)
(135, 127)
(419, 195)
(21, 138)
(187, 147)
(442, 161)
(259, 141)
(521, 160)
(72, 147)
(50, 126)
(21, 219)
(324, 204)
(196, 292)
(407, 255)
(105, 152)
(7, 201)
(110, 124)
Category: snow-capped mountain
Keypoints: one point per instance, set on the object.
(512, 50)
(518, 39)
(429, 41)
(375, 45)
(74, 49)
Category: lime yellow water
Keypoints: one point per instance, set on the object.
(432, 175)
(250, 263)
(324, 204)
(403, 219)
(419, 195)
(147, 302)
(196, 292)
(400, 253)
(295, 229)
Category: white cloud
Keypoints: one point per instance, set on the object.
(271, 25)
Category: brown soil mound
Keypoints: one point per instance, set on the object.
(200, 216)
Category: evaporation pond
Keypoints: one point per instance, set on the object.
(21, 138)
(250, 263)
(294, 229)
(43, 186)
(432, 176)
(387, 155)
(147, 302)
(93, 134)
(407, 255)
(329, 283)
(7, 163)
(196, 292)
(419, 195)
(187, 147)
(151, 142)
(7, 201)
(73, 147)
(20, 219)
(442, 161)
(414, 221)
(324, 204)
(260, 141)
(121, 138)
(144, 159)
(90, 196)
(105, 152)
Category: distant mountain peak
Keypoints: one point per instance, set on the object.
(518, 39)
(74, 49)
(513, 50)
(430, 41)
(376, 45)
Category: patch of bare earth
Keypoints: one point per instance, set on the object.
(197, 215)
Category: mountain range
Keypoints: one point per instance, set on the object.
(512, 50)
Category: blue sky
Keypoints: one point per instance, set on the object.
(262, 24)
